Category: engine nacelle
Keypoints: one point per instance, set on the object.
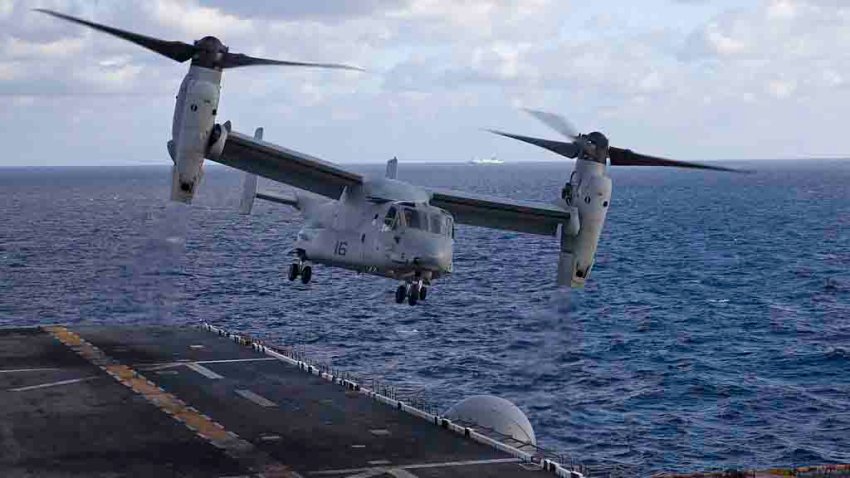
(591, 196)
(182, 190)
(194, 134)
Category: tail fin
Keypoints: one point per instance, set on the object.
(249, 185)
(392, 168)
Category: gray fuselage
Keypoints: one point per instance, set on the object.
(402, 240)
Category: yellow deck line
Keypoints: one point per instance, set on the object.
(202, 425)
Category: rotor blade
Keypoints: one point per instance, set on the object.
(176, 50)
(556, 122)
(233, 60)
(569, 150)
(627, 157)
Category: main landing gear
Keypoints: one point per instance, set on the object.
(300, 269)
(413, 292)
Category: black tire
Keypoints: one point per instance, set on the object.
(306, 274)
(423, 293)
(400, 294)
(294, 270)
(413, 295)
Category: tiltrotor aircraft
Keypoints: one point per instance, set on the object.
(380, 226)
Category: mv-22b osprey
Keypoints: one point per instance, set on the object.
(380, 226)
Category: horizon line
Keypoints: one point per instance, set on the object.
(409, 161)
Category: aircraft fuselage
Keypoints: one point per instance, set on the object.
(397, 239)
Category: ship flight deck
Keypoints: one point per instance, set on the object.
(192, 401)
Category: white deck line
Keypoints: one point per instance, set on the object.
(557, 468)
(203, 370)
(418, 466)
(54, 384)
(156, 365)
(264, 359)
(21, 370)
(258, 399)
(400, 473)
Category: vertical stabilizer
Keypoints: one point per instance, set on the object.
(392, 168)
(249, 185)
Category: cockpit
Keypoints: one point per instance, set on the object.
(424, 218)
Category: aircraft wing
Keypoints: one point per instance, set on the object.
(500, 213)
(286, 166)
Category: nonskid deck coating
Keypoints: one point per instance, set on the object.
(93, 427)
(64, 415)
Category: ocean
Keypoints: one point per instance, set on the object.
(714, 331)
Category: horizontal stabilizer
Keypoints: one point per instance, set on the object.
(287, 201)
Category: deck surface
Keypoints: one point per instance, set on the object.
(157, 401)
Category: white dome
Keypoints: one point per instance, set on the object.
(496, 413)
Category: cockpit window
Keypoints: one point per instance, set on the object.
(437, 225)
(390, 218)
(441, 223)
(415, 219)
(434, 221)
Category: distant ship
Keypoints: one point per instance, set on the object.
(492, 160)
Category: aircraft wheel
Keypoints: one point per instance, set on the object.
(306, 274)
(423, 292)
(294, 270)
(413, 295)
(400, 294)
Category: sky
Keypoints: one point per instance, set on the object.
(686, 79)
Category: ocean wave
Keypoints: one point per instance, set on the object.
(714, 331)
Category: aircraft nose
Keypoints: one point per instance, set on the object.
(437, 260)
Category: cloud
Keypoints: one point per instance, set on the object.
(787, 47)
(329, 11)
(15, 48)
(782, 9)
(196, 21)
(10, 71)
(6, 8)
(781, 88)
(439, 70)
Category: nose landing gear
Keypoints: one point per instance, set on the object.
(297, 269)
(413, 292)
(400, 294)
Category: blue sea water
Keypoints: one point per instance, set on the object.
(714, 332)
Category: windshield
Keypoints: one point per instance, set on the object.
(415, 219)
(441, 224)
(390, 218)
(436, 222)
